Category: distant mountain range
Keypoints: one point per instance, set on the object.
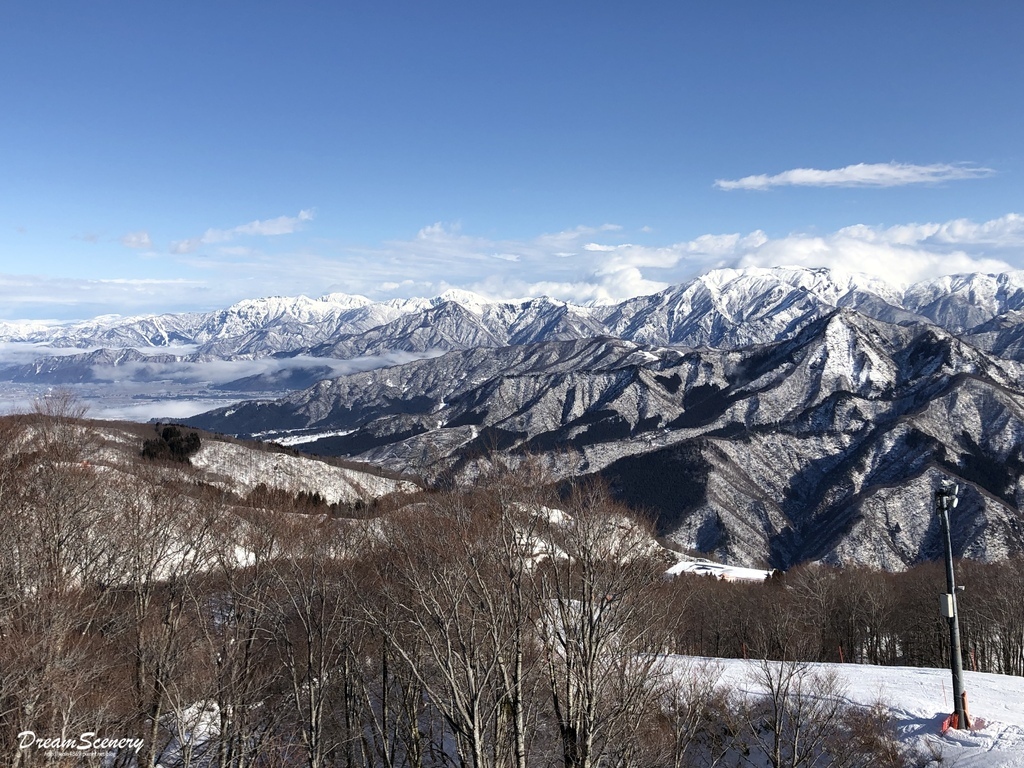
(724, 307)
(766, 416)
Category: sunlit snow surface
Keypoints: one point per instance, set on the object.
(241, 469)
(718, 570)
(919, 700)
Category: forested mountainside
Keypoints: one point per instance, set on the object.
(822, 446)
(766, 416)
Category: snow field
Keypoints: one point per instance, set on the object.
(919, 699)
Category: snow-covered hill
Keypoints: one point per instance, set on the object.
(237, 468)
(241, 469)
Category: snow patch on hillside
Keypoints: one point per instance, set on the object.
(241, 469)
(718, 570)
(307, 438)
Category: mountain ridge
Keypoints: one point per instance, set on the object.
(725, 308)
(763, 416)
(804, 439)
(959, 302)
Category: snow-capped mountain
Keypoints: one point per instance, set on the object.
(768, 416)
(821, 446)
(318, 318)
(962, 303)
(723, 309)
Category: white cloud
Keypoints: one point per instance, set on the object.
(167, 410)
(23, 352)
(128, 392)
(282, 225)
(138, 239)
(222, 372)
(582, 264)
(569, 237)
(27, 296)
(861, 175)
(391, 286)
(186, 246)
(1004, 232)
(439, 231)
(899, 255)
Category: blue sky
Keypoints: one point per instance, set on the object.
(171, 156)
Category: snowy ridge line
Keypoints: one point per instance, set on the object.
(751, 295)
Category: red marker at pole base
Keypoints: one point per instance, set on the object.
(952, 721)
(947, 724)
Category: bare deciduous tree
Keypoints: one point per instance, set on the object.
(798, 716)
(596, 624)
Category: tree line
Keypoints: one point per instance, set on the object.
(817, 613)
(492, 626)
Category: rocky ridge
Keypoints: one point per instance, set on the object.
(823, 446)
(765, 416)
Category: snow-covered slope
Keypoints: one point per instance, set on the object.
(114, 449)
(919, 700)
(240, 469)
(821, 446)
(962, 302)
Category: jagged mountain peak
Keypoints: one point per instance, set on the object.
(467, 299)
(727, 307)
(829, 284)
(983, 282)
(296, 306)
(965, 302)
(345, 300)
(849, 354)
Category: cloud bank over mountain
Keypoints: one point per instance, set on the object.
(599, 264)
